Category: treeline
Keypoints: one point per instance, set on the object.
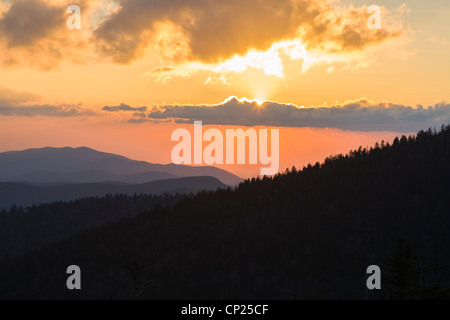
(24, 229)
(303, 234)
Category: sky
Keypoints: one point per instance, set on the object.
(138, 70)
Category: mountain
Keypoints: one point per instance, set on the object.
(20, 194)
(58, 178)
(304, 234)
(85, 165)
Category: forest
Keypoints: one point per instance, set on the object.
(307, 233)
(25, 229)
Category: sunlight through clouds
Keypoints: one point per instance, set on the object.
(271, 62)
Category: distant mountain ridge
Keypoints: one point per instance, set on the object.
(85, 165)
(19, 194)
(97, 176)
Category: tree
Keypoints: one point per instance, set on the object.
(402, 276)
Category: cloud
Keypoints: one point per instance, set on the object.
(146, 120)
(358, 115)
(162, 69)
(27, 104)
(124, 107)
(34, 33)
(26, 22)
(44, 110)
(11, 97)
(177, 32)
(218, 30)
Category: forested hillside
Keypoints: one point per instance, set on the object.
(307, 233)
(24, 229)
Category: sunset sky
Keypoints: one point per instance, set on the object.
(137, 70)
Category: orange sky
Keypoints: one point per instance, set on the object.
(152, 142)
(333, 84)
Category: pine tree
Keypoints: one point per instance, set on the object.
(402, 276)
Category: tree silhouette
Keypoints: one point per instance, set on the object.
(402, 274)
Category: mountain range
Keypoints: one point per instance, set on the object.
(308, 233)
(43, 175)
(85, 165)
(20, 194)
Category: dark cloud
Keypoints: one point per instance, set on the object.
(28, 21)
(361, 115)
(124, 107)
(205, 30)
(34, 32)
(137, 121)
(218, 29)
